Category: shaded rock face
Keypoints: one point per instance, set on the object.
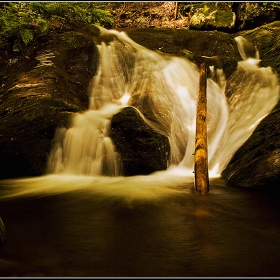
(257, 163)
(142, 150)
(39, 91)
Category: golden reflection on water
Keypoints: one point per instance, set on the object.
(152, 187)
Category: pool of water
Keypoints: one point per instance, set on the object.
(142, 226)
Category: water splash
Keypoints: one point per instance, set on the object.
(164, 88)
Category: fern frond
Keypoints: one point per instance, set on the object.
(26, 36)
(43, 25)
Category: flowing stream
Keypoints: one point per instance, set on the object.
(83, 220)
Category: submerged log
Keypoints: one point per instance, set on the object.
(200, 155)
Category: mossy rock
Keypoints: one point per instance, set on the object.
(212, 16)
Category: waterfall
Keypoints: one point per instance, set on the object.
(164, 88)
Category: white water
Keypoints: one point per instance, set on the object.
(165, 89)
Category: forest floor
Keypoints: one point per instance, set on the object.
(147, 14)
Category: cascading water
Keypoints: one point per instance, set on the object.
(164, 89)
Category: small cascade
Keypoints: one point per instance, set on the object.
(85, 148)
(252, 92)
(164, 89)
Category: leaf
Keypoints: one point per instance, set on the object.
(43, 25)
(26, 36)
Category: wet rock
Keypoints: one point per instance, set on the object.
(39, 91)
(142, 149)
(183, 42)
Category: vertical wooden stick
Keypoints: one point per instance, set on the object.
(200, 155)
(176, 10)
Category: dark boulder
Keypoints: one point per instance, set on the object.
(142, 149)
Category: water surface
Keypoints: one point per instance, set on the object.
(142, 226)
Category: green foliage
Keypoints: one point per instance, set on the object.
(43, 25)
(205, 9)
(187, 7)
(26, 36)
(268, 6)
(21, 22)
